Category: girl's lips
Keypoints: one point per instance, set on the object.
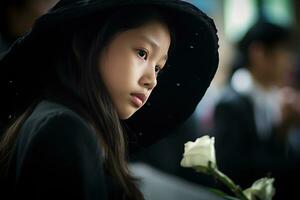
(138, 99)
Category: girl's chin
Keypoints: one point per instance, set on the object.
(126, 115)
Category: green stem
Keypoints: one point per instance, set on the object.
(229, 183)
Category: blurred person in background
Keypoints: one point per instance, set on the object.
(253, 117)
(18, 16)
(294, 133)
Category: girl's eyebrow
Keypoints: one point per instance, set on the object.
(154, 44)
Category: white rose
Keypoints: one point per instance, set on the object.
(262, 188)
(198, 154)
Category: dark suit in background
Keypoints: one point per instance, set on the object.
(242, 154)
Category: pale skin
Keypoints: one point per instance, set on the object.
(129, 65)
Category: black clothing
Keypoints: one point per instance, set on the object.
(4, 45)
(241, 153)
(57, 156)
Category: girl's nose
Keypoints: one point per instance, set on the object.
(149, 78)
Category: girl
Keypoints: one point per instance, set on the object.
(76, 78)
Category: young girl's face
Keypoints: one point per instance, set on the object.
(129, 65)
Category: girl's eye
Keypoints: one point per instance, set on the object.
(142, 53)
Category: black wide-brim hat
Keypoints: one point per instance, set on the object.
(190, 69)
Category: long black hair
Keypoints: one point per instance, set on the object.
(75, 75)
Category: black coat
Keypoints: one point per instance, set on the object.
(240, 153)
(57, 156)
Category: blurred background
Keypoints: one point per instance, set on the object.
(252, 107)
